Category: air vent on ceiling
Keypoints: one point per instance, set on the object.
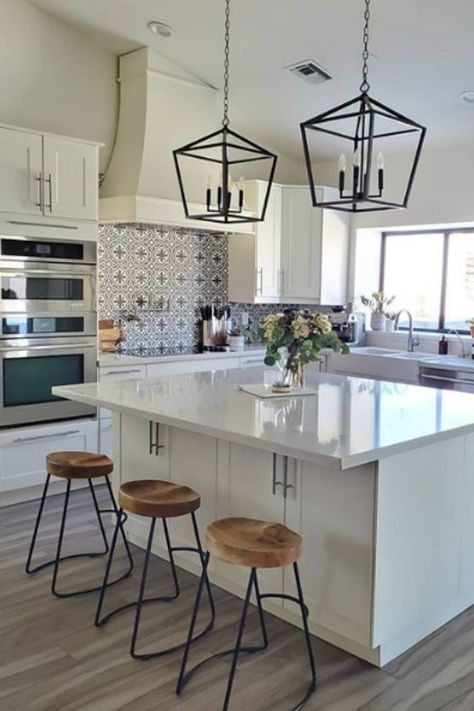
(309, 71)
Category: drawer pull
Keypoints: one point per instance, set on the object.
(47, 436)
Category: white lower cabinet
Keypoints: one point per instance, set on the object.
(250, 485)
(333, 512)
(23, 450)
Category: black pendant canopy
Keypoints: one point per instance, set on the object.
(363, 127)
(212, 167)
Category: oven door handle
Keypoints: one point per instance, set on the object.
(67, 347)
(14, 274)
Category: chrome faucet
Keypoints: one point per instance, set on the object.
(464, 353)
(413, 340)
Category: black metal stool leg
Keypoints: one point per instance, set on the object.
(171, 557)
(28, 568)
(99, 517)
(304, 617)
(121, 517)
(60, 539)
(142, 592)
(202, 557)
(183, 678)
(240, 633)
(97, 621)
(260, 612)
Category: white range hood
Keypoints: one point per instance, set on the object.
(162, 107)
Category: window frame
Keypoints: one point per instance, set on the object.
(446, 233)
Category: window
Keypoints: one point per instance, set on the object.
(432, 275)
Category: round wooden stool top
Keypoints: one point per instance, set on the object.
(253, 543)
(78, 465)
(158, 499)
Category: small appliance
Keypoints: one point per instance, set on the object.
(349, 326)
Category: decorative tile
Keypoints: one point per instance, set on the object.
(137, 263)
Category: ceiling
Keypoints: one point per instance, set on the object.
(424, 56)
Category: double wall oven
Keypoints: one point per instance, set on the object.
(47, 327)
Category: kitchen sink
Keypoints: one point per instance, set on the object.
(373, 350)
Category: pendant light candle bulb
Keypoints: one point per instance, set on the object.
(356, 159)
(342, 172)
(381, 166)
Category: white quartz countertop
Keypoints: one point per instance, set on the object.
(109, 360)
(350, 421)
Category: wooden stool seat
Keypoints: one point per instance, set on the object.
(78, 465)
(158, 499)
(253, 543)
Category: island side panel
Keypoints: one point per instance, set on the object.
(334, 511)
(421, 532)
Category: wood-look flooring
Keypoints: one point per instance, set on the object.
(52, 658)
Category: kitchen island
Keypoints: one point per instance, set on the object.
(378, 478)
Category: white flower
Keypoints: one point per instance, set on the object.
(301, 327)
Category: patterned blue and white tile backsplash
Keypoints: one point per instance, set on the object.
(152, 265)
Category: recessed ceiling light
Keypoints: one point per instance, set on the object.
(159, 28)
(468, 97)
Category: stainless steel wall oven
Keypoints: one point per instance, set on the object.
(47, 327)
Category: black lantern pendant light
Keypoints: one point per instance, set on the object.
(363, 127)
(222, 154)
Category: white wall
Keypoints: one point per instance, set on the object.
(54, 78)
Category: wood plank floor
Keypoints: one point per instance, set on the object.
(52, 658)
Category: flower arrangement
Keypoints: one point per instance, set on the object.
(300, 335)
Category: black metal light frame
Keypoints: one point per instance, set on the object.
(225, 148)
(366, 110)
(224, 142)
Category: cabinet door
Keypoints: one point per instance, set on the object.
(268, 244)
(247, 488)
(193, 463)
(334, 513)
(301, 245)
(20, 171)
(23, 452)
(139, 459)
(71, 179)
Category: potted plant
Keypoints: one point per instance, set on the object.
(296, 338)
(377, 302)
(390, 317)
(236, 340)
(470, 323)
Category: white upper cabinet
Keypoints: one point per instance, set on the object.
(47, 176)
(301, 237)
(299, 254)
(21, 164)
(71, 179)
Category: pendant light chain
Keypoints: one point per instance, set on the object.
(365, 86)
(225, 120)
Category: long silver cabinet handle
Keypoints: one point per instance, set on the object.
(39, 180)
(154, 446)
(48, 436)
(275, 483)
(120, 372)
(286, 486)
(49, 180)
